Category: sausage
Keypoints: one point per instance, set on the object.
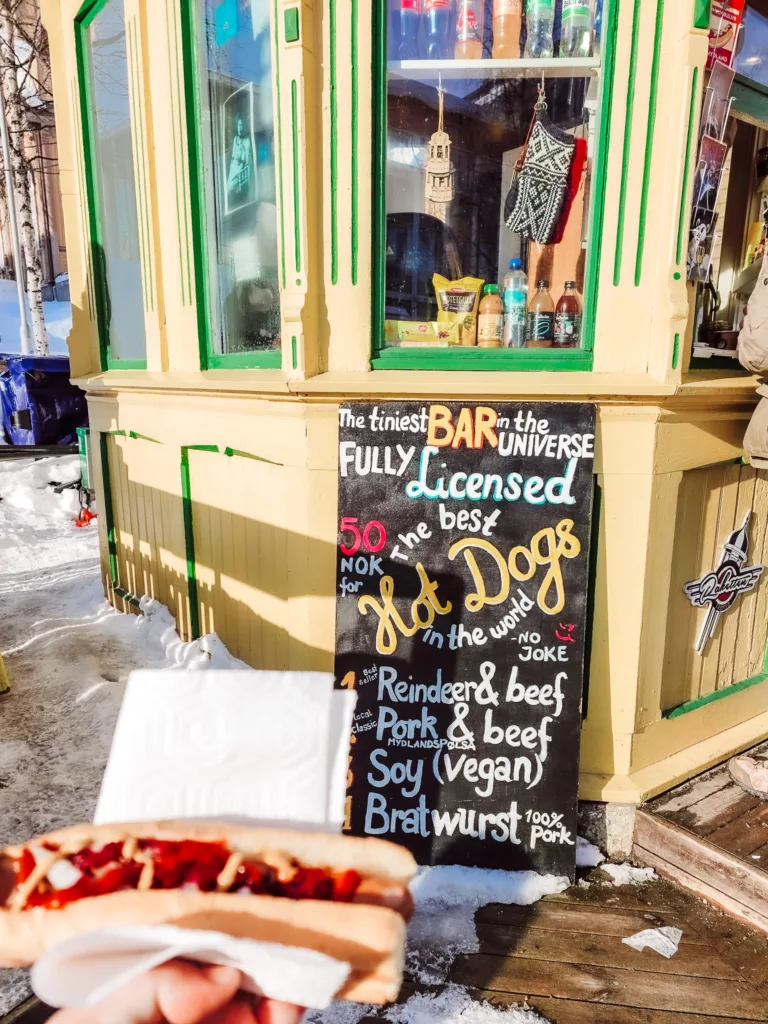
(383, 892)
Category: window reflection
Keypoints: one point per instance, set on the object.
(240, 164)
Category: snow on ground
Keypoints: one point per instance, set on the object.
(446, 900)
(587, 854)
(625, 874)
(68, 655)
(58, 320)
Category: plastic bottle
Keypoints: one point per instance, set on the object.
(507, 26)
(406, 19)
(515, 305)
(576, 29)
(541, 318)
(568, 318)
(490, 318)
(469, 30)
(598, 27)
(437, 18)
(540, 21)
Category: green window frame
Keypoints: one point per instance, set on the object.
(190, 43)
(83, 19)
(470, 359)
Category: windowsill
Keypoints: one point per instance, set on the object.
(335, 386)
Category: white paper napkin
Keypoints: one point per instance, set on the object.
(265, 746)
(663, 940)
(85, 969)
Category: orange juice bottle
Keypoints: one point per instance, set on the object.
(469, 30)
(507, 28)
(490, 319)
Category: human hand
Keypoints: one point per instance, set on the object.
(183, 993)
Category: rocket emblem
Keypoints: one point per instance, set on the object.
(727, 581)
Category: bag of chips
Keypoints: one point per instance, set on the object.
(457, 302)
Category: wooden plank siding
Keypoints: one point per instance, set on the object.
(713, 501)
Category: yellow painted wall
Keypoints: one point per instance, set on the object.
(265, 531)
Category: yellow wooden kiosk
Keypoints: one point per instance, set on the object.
(243, 189)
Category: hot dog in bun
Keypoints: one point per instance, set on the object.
(339, 895)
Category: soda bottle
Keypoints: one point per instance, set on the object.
(540, 19)
(541, 318)
(507, 26)
(437, 17)
(469, 30)
(515, 305)
(576, 29)
(406, 18)
(568, 318)
(490, 318)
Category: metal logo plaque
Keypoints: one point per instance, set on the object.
(729, 580)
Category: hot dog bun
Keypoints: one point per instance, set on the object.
(370, 938)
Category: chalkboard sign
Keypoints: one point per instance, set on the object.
(464, 532)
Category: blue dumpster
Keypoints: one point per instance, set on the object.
(39, 405)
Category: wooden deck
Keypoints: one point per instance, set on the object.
(564, 957)
(711, 837)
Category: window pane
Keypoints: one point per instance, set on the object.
(116, 183)
(487, 196)
(240, 163)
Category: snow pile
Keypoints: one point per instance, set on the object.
(37, 526)
(587, 854)
(625, 874)
(447, 898)
(159, 627)
(454, 1005)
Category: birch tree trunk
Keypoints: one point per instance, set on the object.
(15, 113)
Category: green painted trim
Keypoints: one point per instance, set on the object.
(295, 165)
(469, 359)
(602, 148)
(143, 168)
(85, 15)
(623, 193)
(196, 176)
(676, 352)
(293, 351)
(125, 364)
(279, 158)
(334, 142)
(83, 442)
(476, 359)
(701, 13)
(653, 105)
(109, 512)
(682, 218)
(291, 24)
(710, 698)
(750, 97)
(271, 360)
(379, 175)
(175, 99)
(189, 545)
(354, 132)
